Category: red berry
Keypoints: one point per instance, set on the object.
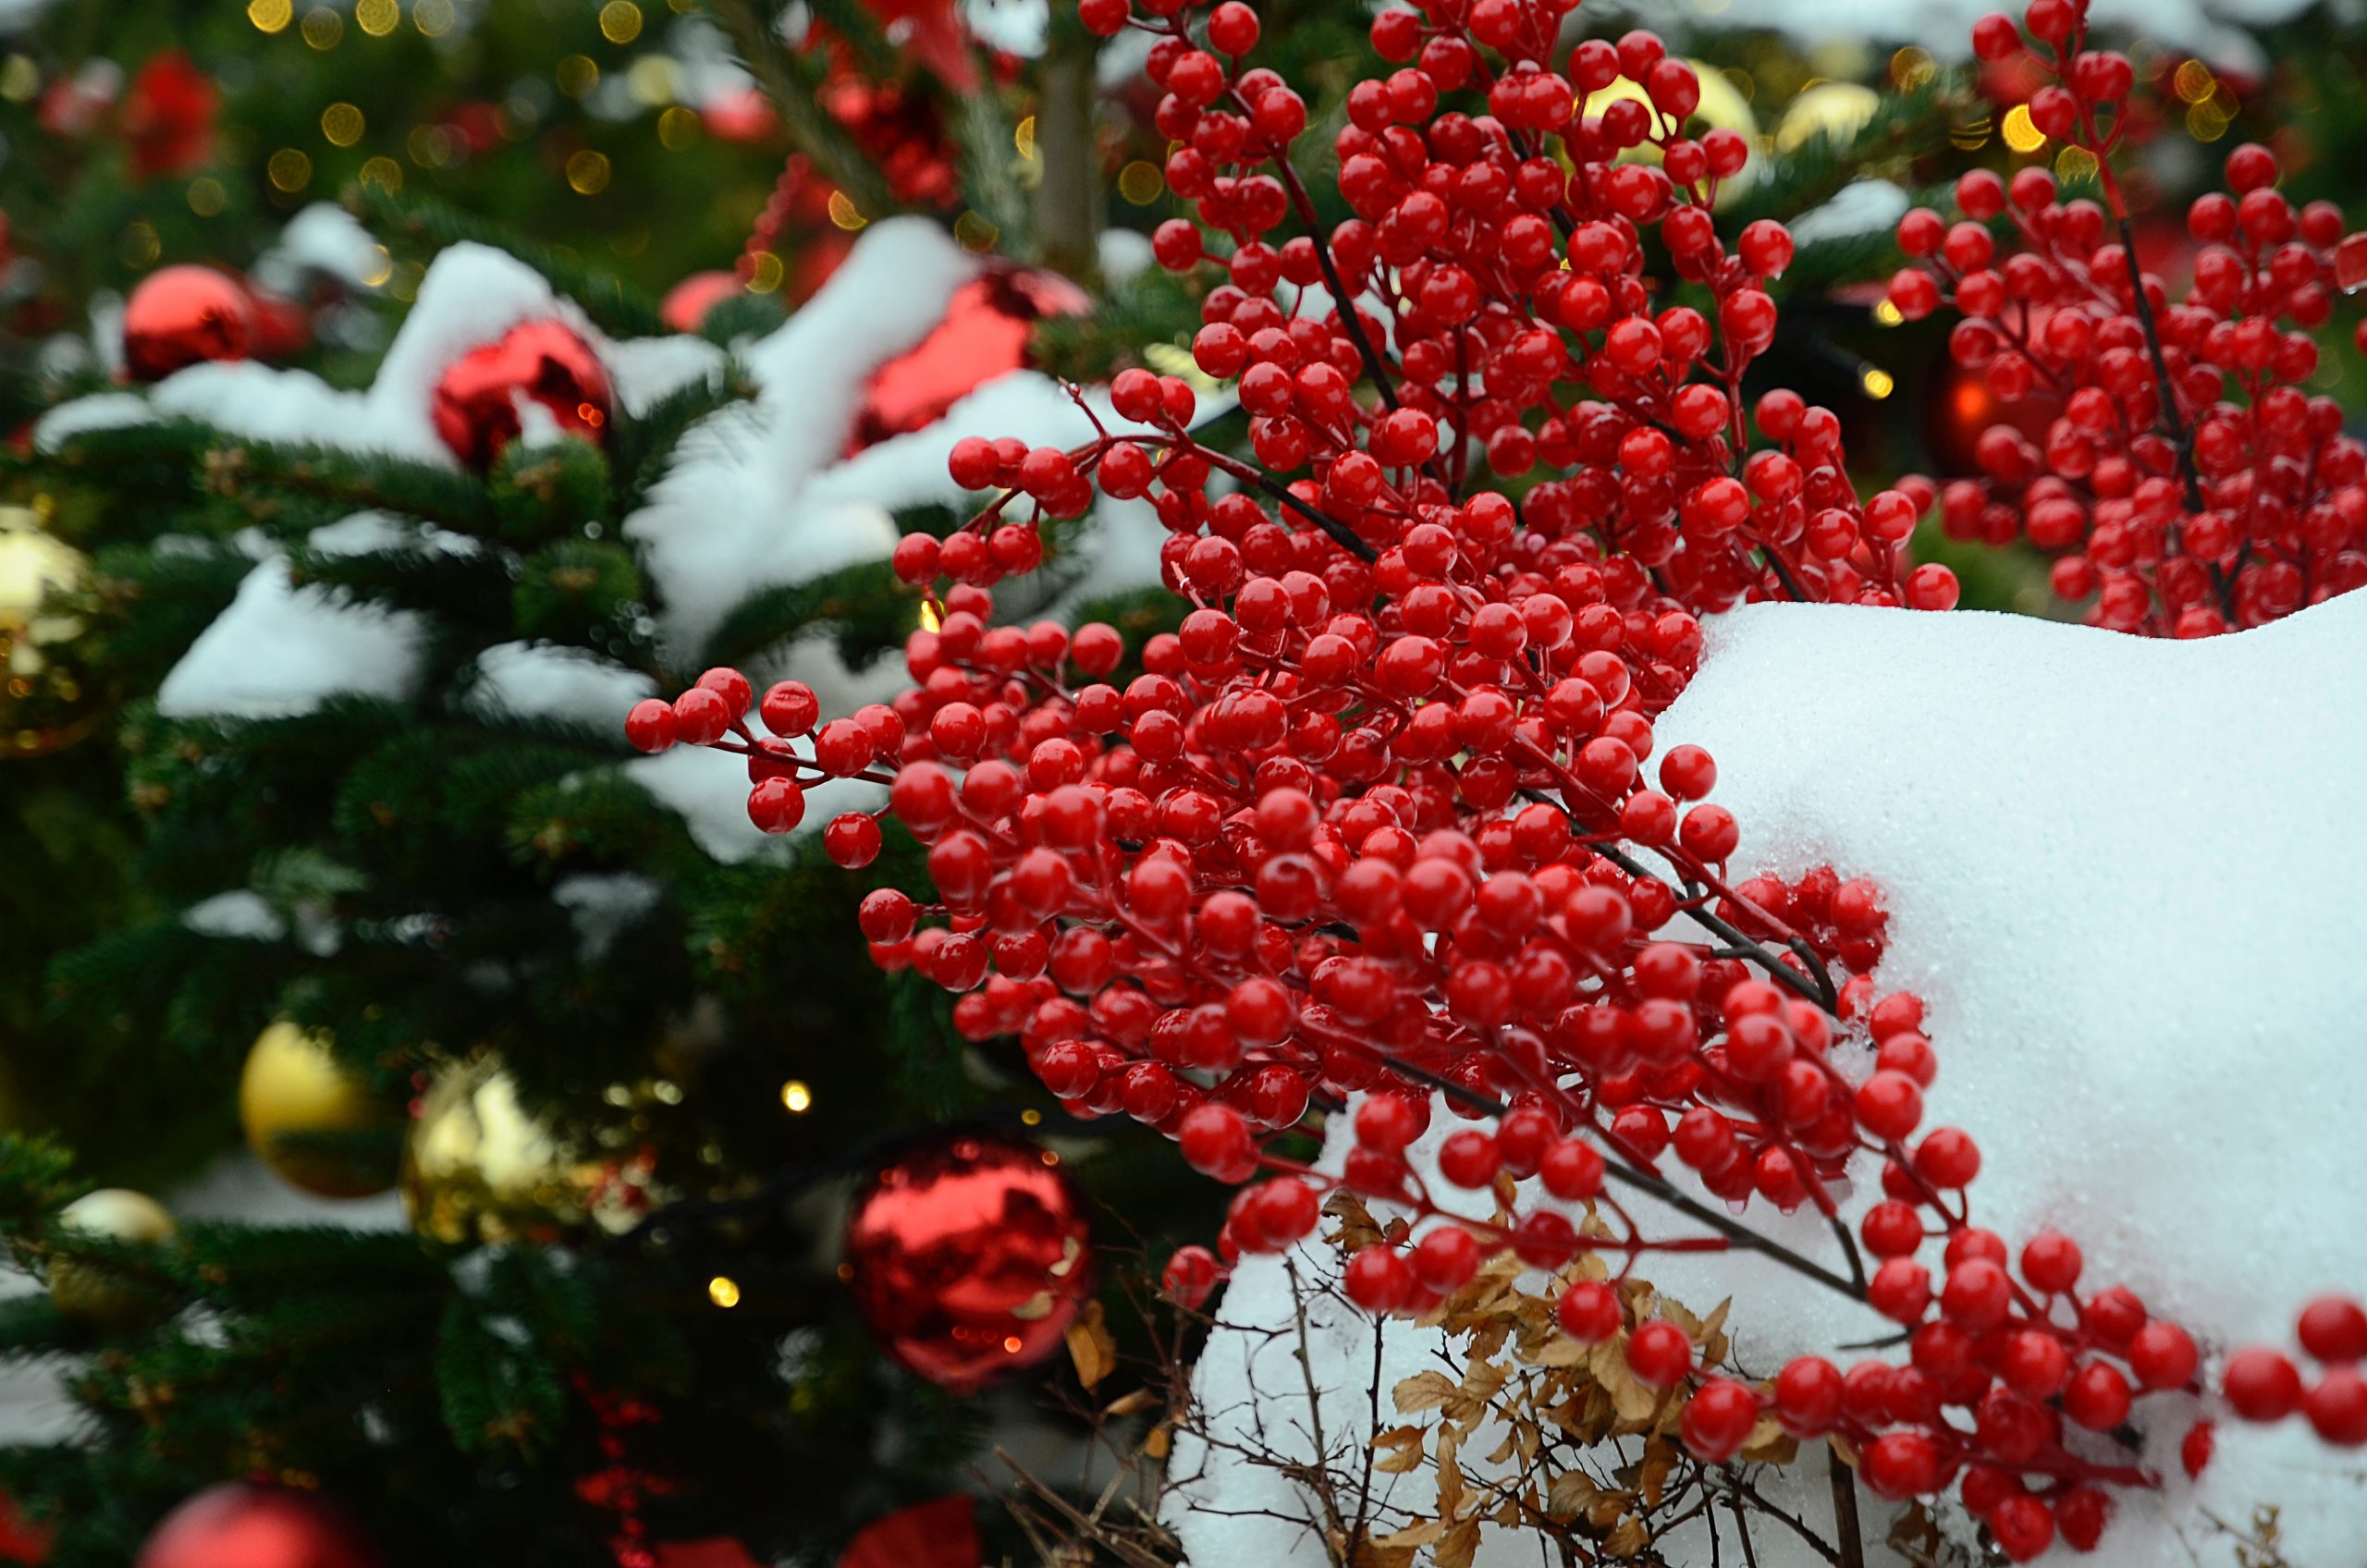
(2163, 1355)
(1589, 1312)
(1446, 1257)
(776, 806)
(701, 716)
(2097, 1397)
(1190, 1276)
(650, 726)
(2334, 1331)
(1718, 1418)
(2336, 1407)
(2262, 1385)
(1900, 1465)
(1378, 1279)
(1659, 1353)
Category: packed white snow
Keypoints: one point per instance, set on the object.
(2123, 874)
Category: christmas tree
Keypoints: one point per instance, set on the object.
(1379, 596)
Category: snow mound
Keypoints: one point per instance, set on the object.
(2121, 873)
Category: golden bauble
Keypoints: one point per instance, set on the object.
(293, 1091)
(91, 1293)
(1837, 109)
(45, 702)
(479, 1167)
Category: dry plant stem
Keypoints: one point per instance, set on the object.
(1337, 1532)
(1087, 1526)
(1844, 1509)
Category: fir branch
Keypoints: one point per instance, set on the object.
(990, 165)
(643, 445)
(471, 588)
(256, 474)
(424, 222)
(862, 604)
(1905, 125)
(791, 86)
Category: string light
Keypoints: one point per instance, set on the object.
(1887, 314)
(1879, 383)
(342, 124)
(1140, 182)
(2021, 134)
(976, 233)
(724, 1291)
(588, 172)
(377, 18)
(322, 28)
(271, 16)
(796, 1097)
(620, 22)
(290, 170)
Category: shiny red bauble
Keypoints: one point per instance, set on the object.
(480, 402)
(984, 335)
(240, 1525)
(969, 1258)
(687, 302)
(185, 316)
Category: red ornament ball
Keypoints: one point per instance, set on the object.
(240, 1525)
(969, 1257)
(182, 316)
(479, 404)
(984, 335)
(687, 302)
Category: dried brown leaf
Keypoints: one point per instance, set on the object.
(1404, 1450)
(1092, 1347)
(1357, 1227)
(1573, 1492)
(1423, 1390)
(1659, 1460)
(1413, 1536)
(1769, 1444)
(1131, 1402)
(1629, 1538)
(1451, 1482)
(1462, 1544)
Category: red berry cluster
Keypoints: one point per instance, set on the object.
(1388, 816)
(2263, 1385)
(2189, 482)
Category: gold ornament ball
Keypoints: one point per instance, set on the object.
(477, 1167)
(90, 1293)
(46, 703)
(1838, 109)
(293, 1089)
